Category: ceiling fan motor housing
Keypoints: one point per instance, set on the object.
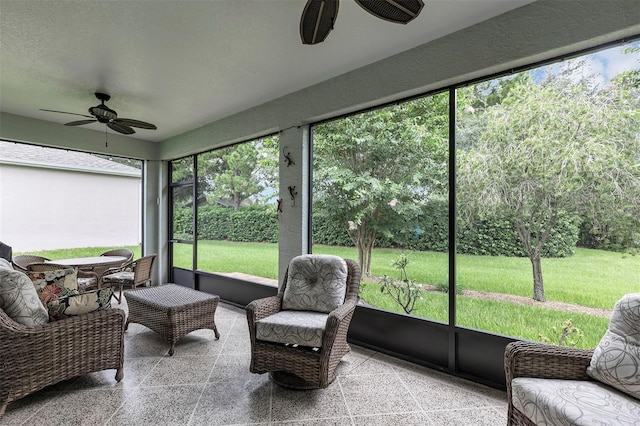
(103, 113)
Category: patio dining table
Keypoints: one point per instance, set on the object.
(91, 261)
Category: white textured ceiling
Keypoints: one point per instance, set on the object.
(182, 64)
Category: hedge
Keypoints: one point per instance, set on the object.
(429, 232)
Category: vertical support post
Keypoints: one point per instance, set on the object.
(452, 231)
(293, 220)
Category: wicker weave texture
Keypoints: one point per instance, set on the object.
(540, 360)
(35, 357)
(172, 311)
(142, 270)
(300, 367)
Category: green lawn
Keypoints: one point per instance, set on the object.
(592, 278)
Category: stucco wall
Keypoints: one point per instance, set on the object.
(44, 208)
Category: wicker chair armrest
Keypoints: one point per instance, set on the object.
(131, 264)
(540, 360)
(94, 319)
(338, 314)
(338, 319)
(262, 308)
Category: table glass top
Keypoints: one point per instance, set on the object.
(92, 260)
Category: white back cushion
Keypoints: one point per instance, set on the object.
(616, 359)
(315, 283)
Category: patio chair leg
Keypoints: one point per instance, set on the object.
(116, 297)
(119, 374)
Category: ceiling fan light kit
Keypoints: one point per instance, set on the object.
(105, 115)
(319, 16)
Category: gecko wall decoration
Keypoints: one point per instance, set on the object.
(287, 156)
(293, 192)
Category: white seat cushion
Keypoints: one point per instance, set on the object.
(573, 402)
(293, 327)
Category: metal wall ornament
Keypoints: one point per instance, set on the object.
(293, 193)
(287, 156)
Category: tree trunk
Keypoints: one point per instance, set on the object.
(538, 285)
(535, 252)
(369, 254)
(364, 244)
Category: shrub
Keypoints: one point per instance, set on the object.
(567, 336)
(404, 292)
(248, 224)
(429, 231)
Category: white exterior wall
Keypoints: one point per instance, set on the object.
(48, 208)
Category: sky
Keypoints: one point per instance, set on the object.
(602, 65)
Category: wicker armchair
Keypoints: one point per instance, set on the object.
(98, 271)
(21, 261)
(297, 366)
(120, 252)
(131, 274)
(38, 356)
(539, 360)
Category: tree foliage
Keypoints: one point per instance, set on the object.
(372, 171)
(552, 150)
(238, 173)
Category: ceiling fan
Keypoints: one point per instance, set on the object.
(319, 16)
(103, 114)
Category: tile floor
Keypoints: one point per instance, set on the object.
(207, 382)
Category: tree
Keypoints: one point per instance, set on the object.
(553, 150)
(240, 172)
(373, 171)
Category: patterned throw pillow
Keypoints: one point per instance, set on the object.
(53, 284)
(19, 299)
(4, 263)
(616, 359)
(78, 304)
(315, 283)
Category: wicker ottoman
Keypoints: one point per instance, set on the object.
(172, 311)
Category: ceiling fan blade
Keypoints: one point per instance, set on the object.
(79, 122)
(398, 11)
(135, 123)
(121, 128)
(64, 112)
(317, 20)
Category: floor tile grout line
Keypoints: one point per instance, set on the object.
(75, 379)
(210, 373)
(270, 418)
(415, 399)
(133, 387)
(344, 399)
